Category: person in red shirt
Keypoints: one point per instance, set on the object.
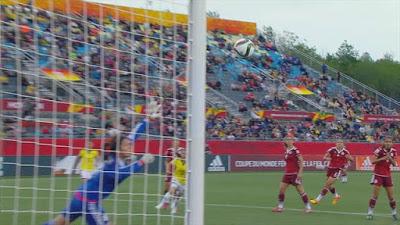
(338, 158)
(293, 176)
(384, 157)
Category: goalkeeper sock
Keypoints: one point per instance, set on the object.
(49, 223)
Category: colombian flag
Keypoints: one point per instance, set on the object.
(140, 109)
(76, 108)
(61, 74)
(261, 113)
(222, 113)
(323, 116)
(300, 90)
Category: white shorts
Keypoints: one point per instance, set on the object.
(178, 186)
(86, 174)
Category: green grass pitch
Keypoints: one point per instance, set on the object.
(231, 199)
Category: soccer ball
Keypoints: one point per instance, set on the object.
(244, 47)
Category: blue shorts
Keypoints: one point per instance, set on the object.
(92, 211)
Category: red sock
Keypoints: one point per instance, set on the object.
(372, 202)
(332, 190)
(281, 197)
(324, 192)
(304, 197)
(392, 204)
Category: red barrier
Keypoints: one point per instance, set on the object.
(275, 147)
(370, 118)
(64, 146)
(286, 115)
(45, 105)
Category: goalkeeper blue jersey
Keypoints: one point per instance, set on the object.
(114, 171)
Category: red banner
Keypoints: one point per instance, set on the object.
(285, 115)
(276, 147)
(49, 124)
(45, 105)
(65, 146)
(275, 162)
(368, 118)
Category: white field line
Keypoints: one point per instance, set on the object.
(228, 206)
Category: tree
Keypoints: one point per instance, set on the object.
(269, 33)
(346, 55)
(366, 57)
(287, 40)
(387, 57)
(213, 14)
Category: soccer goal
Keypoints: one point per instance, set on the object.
(102, 111)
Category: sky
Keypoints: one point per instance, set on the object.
(369, 25)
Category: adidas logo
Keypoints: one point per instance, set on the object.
(366, 164)
(216, 165)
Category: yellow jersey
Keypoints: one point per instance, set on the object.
(88, 159)
(179, 173)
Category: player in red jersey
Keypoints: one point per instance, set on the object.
(293, 176)
(338, 158)
(383, 159)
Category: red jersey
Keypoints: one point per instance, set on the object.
(338, 158)
(292, 161)
(382, 168)
(169, 156)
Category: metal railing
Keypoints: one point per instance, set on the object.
(347, 81)
(225, 98)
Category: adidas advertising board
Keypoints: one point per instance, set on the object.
(363, 163)
(217, 163)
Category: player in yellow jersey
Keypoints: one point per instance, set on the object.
(88, 158)
(177, 188)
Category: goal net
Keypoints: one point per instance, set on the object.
(75, 77)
